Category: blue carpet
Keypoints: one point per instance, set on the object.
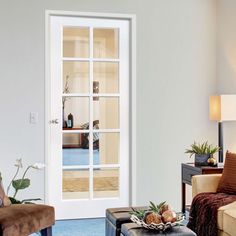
(78, 156)
(84, 227)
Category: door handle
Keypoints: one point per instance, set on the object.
(55, 121)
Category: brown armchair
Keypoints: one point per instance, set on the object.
(25, 219)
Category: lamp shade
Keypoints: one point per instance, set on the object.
(223, 107)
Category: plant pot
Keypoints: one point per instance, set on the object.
(201, 159)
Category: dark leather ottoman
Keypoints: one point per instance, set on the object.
(132, 229)
(115, 217)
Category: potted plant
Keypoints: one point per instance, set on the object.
(203, 153)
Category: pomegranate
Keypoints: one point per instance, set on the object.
(152, 217)
(169, 216)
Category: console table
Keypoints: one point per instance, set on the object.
(78, 145)
(189, 169)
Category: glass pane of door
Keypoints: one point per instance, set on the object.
(106, 43)
(76, 42)
(75, 150)
(78, 107)
(75, 184)
(106, 74)
(105, 183)
(107, 148)
(75, 77)
(106, 110)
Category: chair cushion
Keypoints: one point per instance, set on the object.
(222, 233)
(25, 219)
(227, 182)
(220, 214)
(229, 222)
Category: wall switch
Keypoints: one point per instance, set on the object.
(34, 117)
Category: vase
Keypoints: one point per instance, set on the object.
(64, 124)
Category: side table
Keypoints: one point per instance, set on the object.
(189, 169)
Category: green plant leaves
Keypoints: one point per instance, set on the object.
(139, 213)
(21, 183)
(156, 208)
(29, 201)
(14, 201)
(25, 201)
(204, 148)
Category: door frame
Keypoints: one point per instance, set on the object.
(132, 70)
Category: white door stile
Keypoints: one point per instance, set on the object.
(91, 115)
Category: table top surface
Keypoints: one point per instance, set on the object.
(219, 166)
(73, 128)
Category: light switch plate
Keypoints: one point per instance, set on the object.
(34, 117)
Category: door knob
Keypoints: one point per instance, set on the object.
(55, 121)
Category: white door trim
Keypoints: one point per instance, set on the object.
(132, 19)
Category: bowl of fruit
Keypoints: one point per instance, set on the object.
(158, 217)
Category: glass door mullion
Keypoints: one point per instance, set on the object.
(88, 94)
(91, 114)
(107, 166)
(75, 59)
(75, 95)
(82, 131)
(107, 95)
(106, 60)
(74, 167)
(88, 59)
(107, 131)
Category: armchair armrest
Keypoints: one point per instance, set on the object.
(205, 183)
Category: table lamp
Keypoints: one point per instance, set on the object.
(222, 108)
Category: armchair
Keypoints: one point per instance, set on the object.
(226, 215)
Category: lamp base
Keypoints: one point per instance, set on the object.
(220, 142)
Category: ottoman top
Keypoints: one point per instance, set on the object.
(118, 216)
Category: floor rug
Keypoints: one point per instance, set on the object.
(82, 184)
(78, 156)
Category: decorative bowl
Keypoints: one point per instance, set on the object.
(158, 227)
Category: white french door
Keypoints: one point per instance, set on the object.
(88, 162)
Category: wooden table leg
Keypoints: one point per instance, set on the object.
(46, 231)
(183, 197)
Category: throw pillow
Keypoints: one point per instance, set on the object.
(227, 182)
(4, 199)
